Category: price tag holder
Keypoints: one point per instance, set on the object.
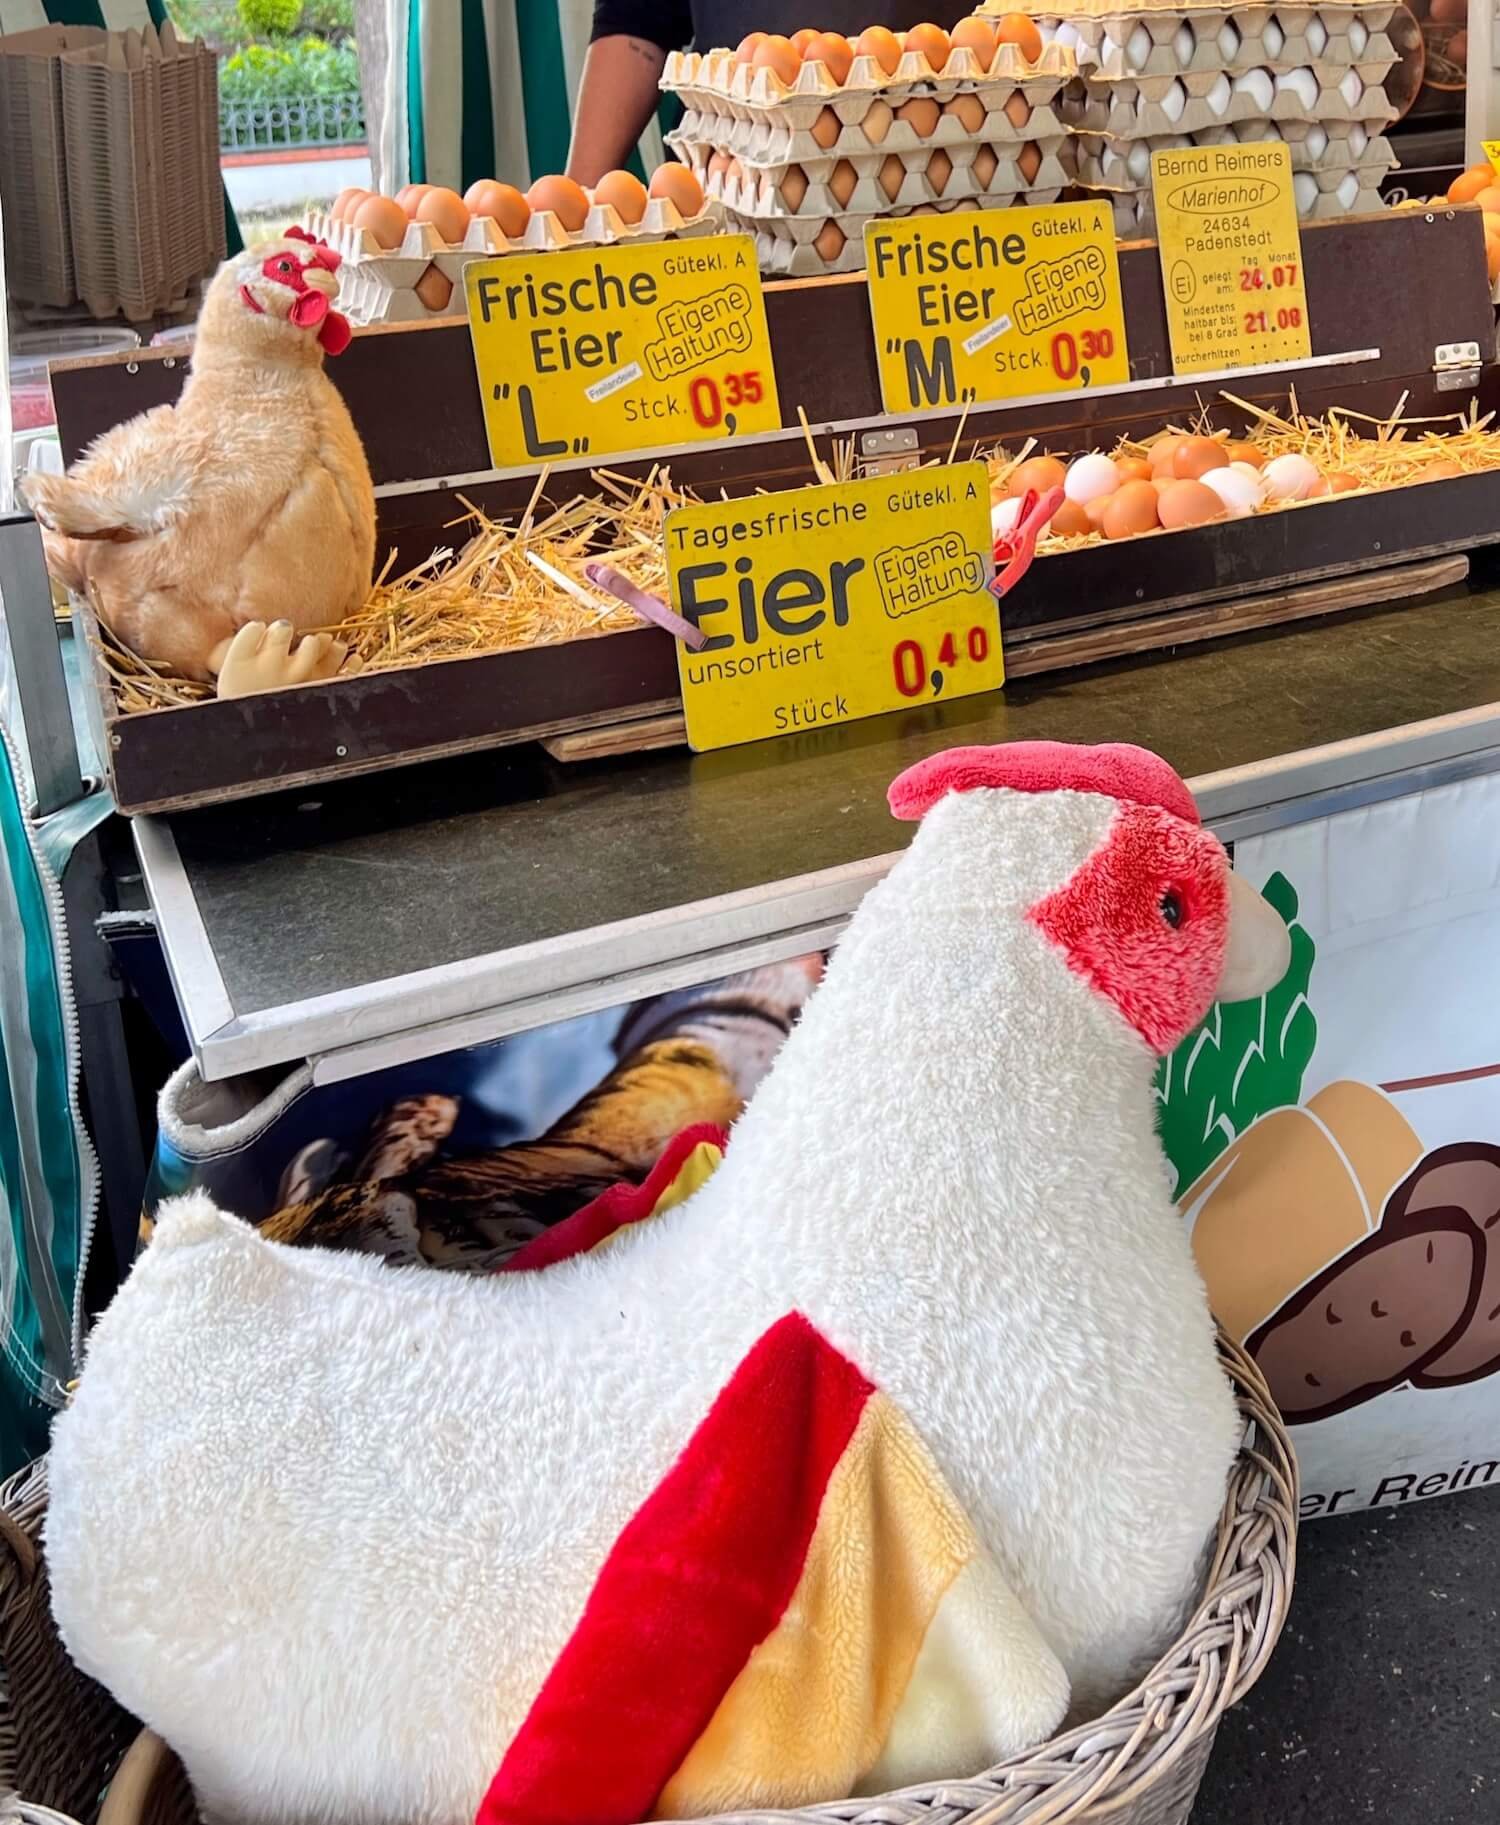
(827, 604)
(994, 304)
(1231, 257)
(596, 351)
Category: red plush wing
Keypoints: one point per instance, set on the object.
(1115, 770)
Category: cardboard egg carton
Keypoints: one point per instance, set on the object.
(1320, 196)
(1124, 44)
(1097, 9)
(1151, 107)
(1108, 164)
(864, 123)
(876, 184)
(712, 79)
(795, 247)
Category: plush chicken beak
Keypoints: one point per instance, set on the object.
(1260, 947)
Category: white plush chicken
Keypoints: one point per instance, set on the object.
(900, 1437)
(217, 535)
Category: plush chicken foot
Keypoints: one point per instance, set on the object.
(261, 658)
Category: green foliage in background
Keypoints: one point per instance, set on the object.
(230, 25)
(1247, 1058)
(311, 66)
(271, 18)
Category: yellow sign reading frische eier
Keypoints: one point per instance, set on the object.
(992, 304)
(827, 604)
(594, 350)
(1231, 257)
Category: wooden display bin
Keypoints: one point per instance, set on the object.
(1400, 312)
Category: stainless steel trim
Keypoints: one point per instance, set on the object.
(202, 996)
(483, 998)
(881, 421)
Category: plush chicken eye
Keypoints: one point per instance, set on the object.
(1171, 908)
(283, 266)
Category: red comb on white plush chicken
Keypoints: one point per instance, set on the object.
(211, 534)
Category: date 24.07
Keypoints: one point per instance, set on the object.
(914, 676)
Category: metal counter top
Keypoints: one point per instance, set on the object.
(407, 913)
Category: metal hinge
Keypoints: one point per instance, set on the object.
(1457, 366)
(886, 452)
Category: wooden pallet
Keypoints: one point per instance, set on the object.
(1031, 654)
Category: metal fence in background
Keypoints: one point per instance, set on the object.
(291, 121)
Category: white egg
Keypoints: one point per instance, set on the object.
(1174, 101)
(1220, 94)
(1090, 478)
(1351, 88)
(1348, 189)
(1304, 191)
(1229, 42)
(1273, 38)
(1358, 140)
(1316, 142)
(1359, 37)
(1289, 478)
(1138, 162)
(1066, 35)
(1003, 517)
(1317, 37)
(1240, 493)
(1184, 44)
(1138, 47)
(1250, 470)
(1257, 84)
(1301, 83)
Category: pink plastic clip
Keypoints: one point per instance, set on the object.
(647, 606)
(1015, 549)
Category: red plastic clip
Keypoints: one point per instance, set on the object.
(1015, 549)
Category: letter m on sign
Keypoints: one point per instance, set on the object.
(932, 384)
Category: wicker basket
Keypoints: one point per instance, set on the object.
(65, 1745)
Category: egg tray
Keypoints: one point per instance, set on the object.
(866, 124)
(868, 182)
(1107, 164)
(1123, 45)
(1075, 10)
(1154, 106)
(785, 245)
(712, 79)
(1135, 211)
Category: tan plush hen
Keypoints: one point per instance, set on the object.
(215, 535)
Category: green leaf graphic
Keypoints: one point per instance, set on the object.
(1246, 1059)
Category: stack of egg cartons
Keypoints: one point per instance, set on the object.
(804, 166)
(1155, 77)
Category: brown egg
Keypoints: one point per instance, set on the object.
(984, 167)
(623, 192)
(842, 182)
(718, 164)
(1039, 472)
(1237, 451)
(921, 114)
(830, 241)
(1188, 503)
(503, 204)
(1489, 200)
(976, 35)
(1161, 453)
(1131, 510)
(930, 42)
(434, 290)
(1018, 110)
(748, 46)
(1017, 29)
(1095, 510)
(445, 210)
(801, 40)
(877, 122)
(1457, 50)
(877, 42)
(1133, 469)
(1339, 483)
(410, 195)
(1029, 161)
(778, 54)
(383, 218)
(834, 51)
(1443, 470)
(561, 197)
(1464, 189)
(968, 110)
(892, 176)
(794, 188)
(348, 198)
(1070, 520)
(1195, 456)
(939, 170)
(675, 184)
(826, 129)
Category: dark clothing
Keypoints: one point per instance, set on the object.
(705, 25)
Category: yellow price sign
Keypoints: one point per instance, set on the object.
(1231, 257)
(827, 604)
(1491, 148)
(991, 304)
(592, 351)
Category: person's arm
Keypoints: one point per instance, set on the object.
(618, 93)
(616, 98)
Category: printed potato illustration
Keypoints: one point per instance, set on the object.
(1463, 1178)
(1292, 1194)
(1371, 1318)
